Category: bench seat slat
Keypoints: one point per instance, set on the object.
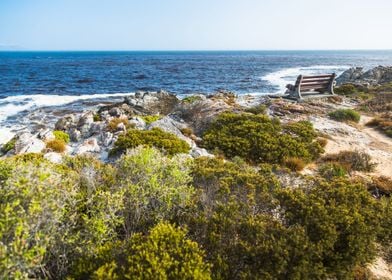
(315, 77)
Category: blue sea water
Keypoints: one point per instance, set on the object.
(30, 80)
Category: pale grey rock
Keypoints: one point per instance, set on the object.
(138, 123)
(86, 119)
(54, 157)
(107, 138)
(357, 75)
(115, 112)
(170, 125)
(28, 143)
(88, 146)
(46, 135)
(97, 128)
(75, 135)
(66, 122)
(197, 152)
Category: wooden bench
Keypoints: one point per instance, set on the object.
(312, 86)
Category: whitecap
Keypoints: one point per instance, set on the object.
(285, 76)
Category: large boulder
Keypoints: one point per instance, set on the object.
(172, 126)
(357, 75)
(152, 103)
(66, 122)
(28, 143)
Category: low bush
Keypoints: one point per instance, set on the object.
(10, 145)
(381, 186)
(56, 145)
(151, 118)
(352, 160)
(345, 115)
(113, 123)
(97, 117)
(191, 99)
(294, 164)
(165, 253)
(61, 135)
(331, 170)
(257, 138)
(259, 109)
(346, 89)
(187, 131)
(155, 137)
(322, 141)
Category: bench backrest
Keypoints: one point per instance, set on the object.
(320, 82)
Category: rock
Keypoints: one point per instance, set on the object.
(121, 127)
(75, 135)
(46, 135)
(88, 146)
(86, 119)
(199, 114)
(376, 76)
(138, 123)
(107, 138)
(115, 112)
(172, 126)
(53, 157)
(152, 103)
(85, 123)
(197, 152)
(66, 122)
(28, 143)
(97, 128)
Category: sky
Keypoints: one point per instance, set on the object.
(195, 24)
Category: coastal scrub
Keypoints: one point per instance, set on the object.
(343, 115)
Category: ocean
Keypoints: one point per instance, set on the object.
(34, 80)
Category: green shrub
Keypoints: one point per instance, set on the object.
(10, 145)
(155, 137)
(191, 99)
(257, 138)
(60, 135)
(156, 187)
(97, 117)
(346, 89)
(165, 253)
(56, 145)
(151, 118)
(187, 131)
(257, 110)
(352, 160)
(345, 115)
(331, 170)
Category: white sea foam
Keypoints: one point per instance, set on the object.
(288, 75)
(11, 106)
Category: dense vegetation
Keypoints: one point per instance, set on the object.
(149, 216)
(156, 213)
(156, 137)
(258, 138)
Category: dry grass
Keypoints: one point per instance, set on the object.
(113, 123)
(56, 145)
(294, 164)
(352, 160)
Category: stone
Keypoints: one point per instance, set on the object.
(138, 123)
(357, 75)
(97, 128)
(107, 138)
(46, 135)
(172, 126)
(88, 146)
(53, 157)
(115, 112)
(28, 143)
(121, 127)
(66, 122)
(86, 119)
(197, 152)
(75, 135)
(153, 103)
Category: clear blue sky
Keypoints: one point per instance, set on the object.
(195, 24)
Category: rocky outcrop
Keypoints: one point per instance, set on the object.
(153, 103)
(357, 75)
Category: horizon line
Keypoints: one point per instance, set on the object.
(180, 50)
